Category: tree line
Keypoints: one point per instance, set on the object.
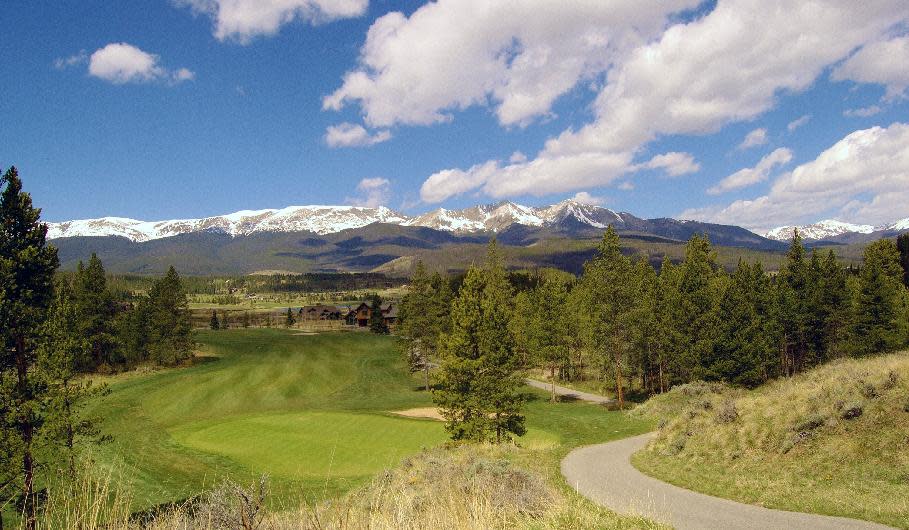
(638, 326)
(55, 327)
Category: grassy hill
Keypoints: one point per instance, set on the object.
(312, 411)
(834, 440)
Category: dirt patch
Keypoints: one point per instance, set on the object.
(422, 412)
(306, 333)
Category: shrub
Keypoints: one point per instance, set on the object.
(727, 413)
(867, 390)
(852, 411)
(810, 423)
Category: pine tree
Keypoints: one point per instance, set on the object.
(27, 265)
(479, 386)
(62, 346)
(612, 295)
(133, 334)
(793, 311)
(170, 329)
(213, 322)
(549, 325)
(94, 304)
(417, 329)
(376, 317)
(879, 322)
(695, 317)
(902, 244)
(289, 318)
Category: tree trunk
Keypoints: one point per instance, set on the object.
(552, 397)
(26, 433)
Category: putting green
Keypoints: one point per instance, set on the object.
(312, 444)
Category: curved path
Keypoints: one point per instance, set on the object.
(603, 473)
(569, 392)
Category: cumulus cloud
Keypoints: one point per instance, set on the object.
(884, 62)
(796, 123)
(673, 163)
(748, 176)
(519, 56)
(753, 139)
(242, 20)
(863, 112)
(353, 135)
(374, 192)
(863, 178)
(726, 66)
(121, 63)
(585, 198)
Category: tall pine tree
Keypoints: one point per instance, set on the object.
(169, 327)
(27, 265)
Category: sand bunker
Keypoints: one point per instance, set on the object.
(422, 412)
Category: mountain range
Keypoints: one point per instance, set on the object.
(565, 217)
(833, 231)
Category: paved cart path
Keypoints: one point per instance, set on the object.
(603, 473)
(569, 392)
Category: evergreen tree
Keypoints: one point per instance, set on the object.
(170, 329)
(548, 325)
(62, 346)
(133, 332)
(225, 321)
(669, 337)
(417, 329)
(376, 317)
(27, 265)
(479, 386)
(902, 244)
(794, 310)
(645, 350)
(694, 316)
(289, 318)
(95, 307)
(213, 322)
(879, 320)
(612, 294)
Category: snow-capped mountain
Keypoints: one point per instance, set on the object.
(831, 228)
(330, 219)
(318, 219)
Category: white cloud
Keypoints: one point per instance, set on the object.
(863, 178)
(241, 20)
(72, 60)
(727, 66)
(353, 135)
(585, 198)
(518, 56)
(754, 138)
(517, 157)
(674, 163)
(120, 63)
(748, 176)
(795, 124)
(863, 112)
(626, 186)
(374, 192)
(884, 62)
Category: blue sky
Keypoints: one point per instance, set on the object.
(162, 109)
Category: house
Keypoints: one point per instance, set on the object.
(360, 314)
(321, 312)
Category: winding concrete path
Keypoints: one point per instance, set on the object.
(603, 473)
(569, 392)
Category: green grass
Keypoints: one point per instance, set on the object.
(312, 411)
(791, 444)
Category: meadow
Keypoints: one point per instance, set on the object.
(314, 412)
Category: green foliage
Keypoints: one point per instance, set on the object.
(94, 304)
(169, 329)
(213, 322)
(289, 318)
(377, 323)
(479, 384)
(880, 303)
(902, 243)
(27, 265)
(422, 319)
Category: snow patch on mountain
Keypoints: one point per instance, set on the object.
(820, 230)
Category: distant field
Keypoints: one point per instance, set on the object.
(312, 411)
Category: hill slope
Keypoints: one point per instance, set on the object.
(834, 440)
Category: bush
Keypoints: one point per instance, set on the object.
(810, 423)
(867, 390)
(727, 413)
(852, 411)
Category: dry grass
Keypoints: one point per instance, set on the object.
(834, 440)
(459, 488)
